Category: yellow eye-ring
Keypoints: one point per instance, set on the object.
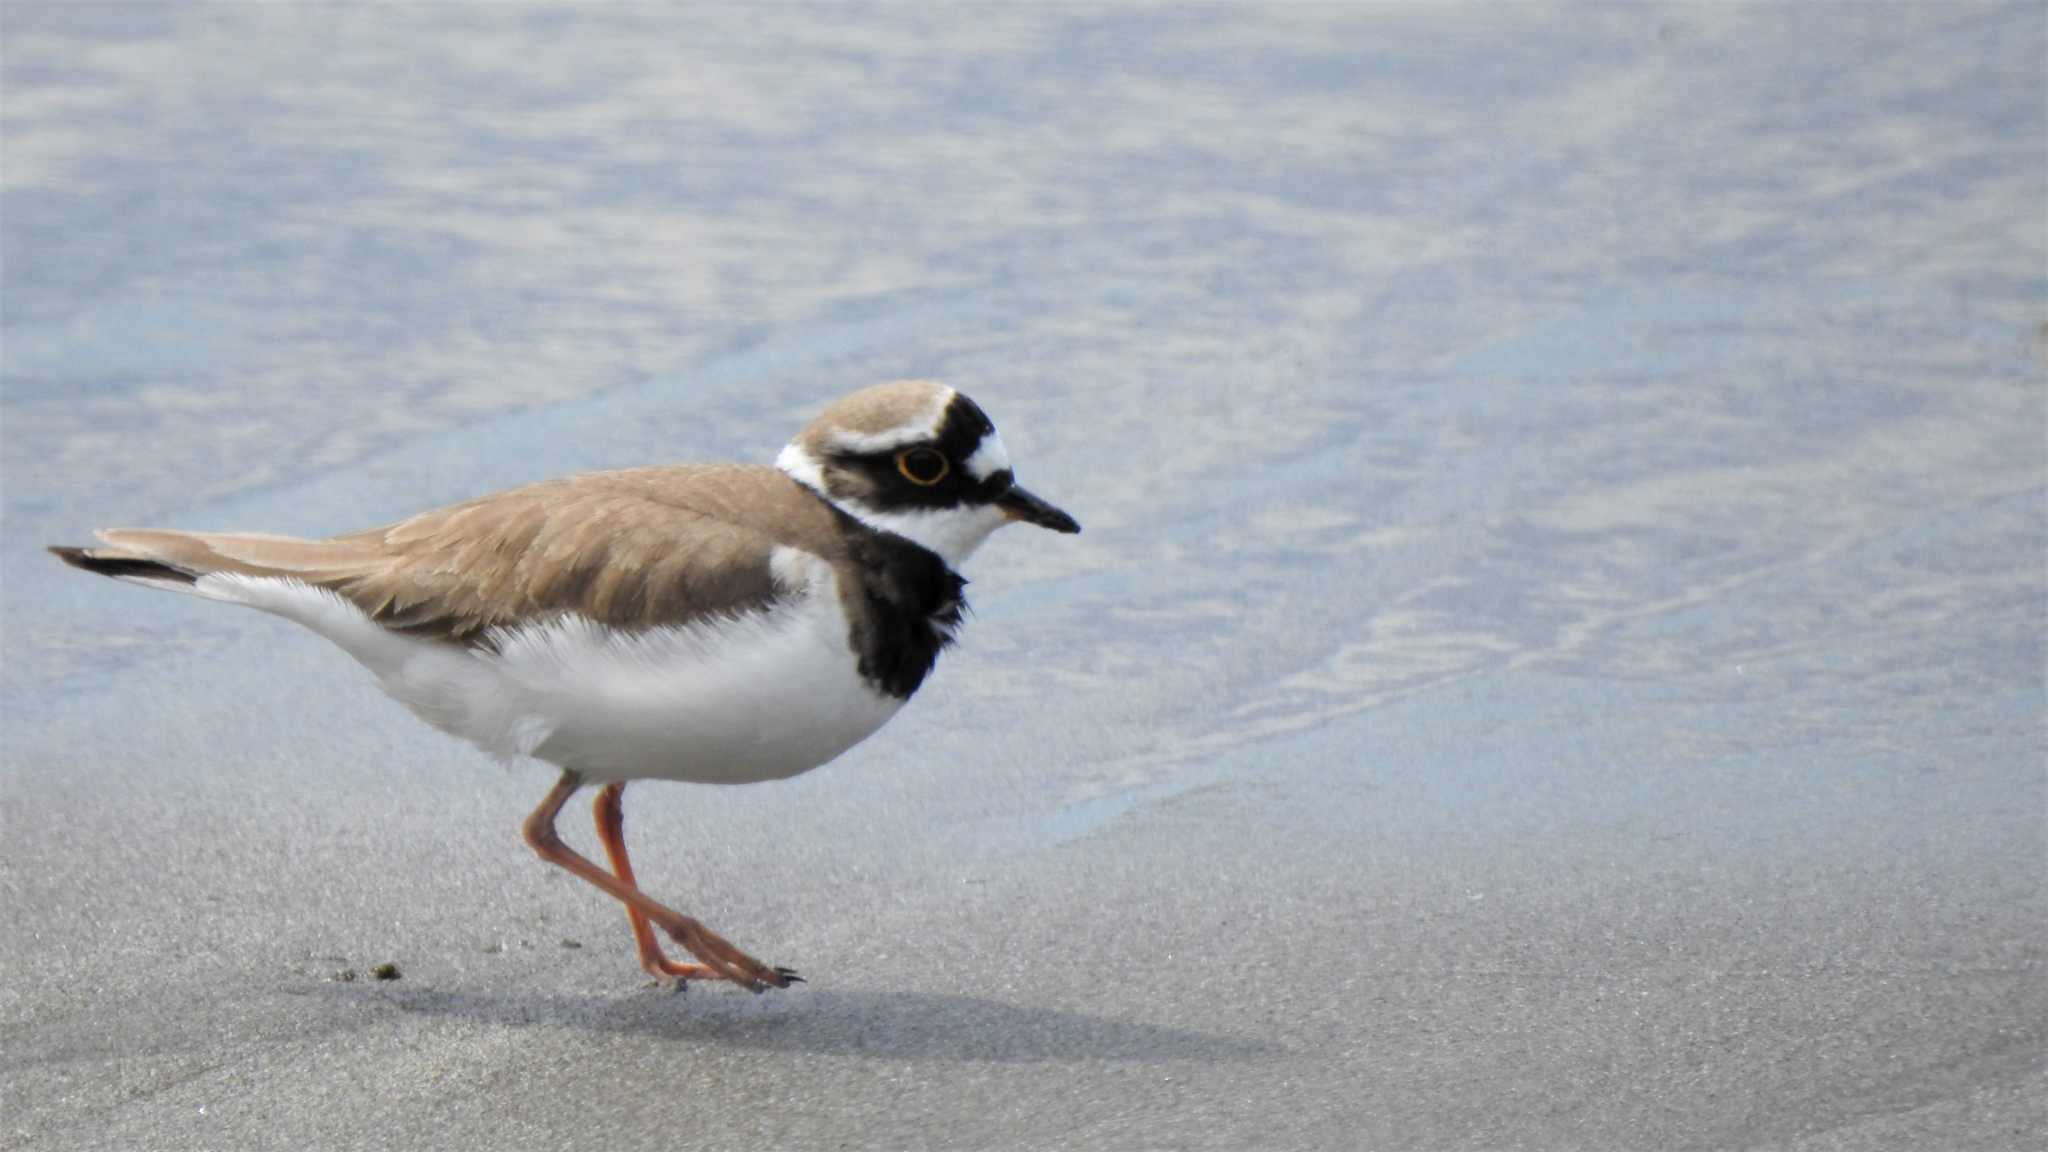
(923, 466)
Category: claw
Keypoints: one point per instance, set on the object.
(782, 978)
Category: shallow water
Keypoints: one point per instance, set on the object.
(1556, 657)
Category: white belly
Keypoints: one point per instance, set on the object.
(730, 701)
(758, 698)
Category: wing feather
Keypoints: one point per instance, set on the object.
(632, 549)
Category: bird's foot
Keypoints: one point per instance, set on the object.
(725, 962)
(676, 976)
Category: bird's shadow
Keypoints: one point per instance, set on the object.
(882, 1024)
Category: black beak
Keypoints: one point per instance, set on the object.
(1018, 504)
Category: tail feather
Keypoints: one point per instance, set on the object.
(122, 565)
(181, 561)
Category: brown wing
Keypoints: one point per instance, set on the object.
(635, 549)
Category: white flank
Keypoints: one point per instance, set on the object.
(445, 685)
(739, 699)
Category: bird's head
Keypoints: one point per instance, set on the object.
(918, 459)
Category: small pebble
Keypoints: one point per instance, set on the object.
(385, 971)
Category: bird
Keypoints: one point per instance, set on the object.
(710, 623)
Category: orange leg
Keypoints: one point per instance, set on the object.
(708, 946)
(609, 812)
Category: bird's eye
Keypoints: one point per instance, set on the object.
(923, 467)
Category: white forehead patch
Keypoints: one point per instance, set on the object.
(920, 425)
(990, 457)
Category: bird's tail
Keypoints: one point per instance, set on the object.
(121, 565)
(177, 561)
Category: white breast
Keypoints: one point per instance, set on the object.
(732, 700)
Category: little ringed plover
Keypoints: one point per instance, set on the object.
(715, 623)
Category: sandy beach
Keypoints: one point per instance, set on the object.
(1555, 660)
